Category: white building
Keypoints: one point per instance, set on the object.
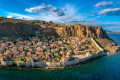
(88, 54)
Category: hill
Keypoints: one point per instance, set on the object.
(16, 27)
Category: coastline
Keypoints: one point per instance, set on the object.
(113, 32)
(72, 65)
(44, 65)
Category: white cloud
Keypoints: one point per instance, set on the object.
(114, 12)
(70, 11)
(9, 16)
(47, 9)
(104, 4)
(71, 14)
(19, 16)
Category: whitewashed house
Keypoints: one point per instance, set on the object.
(88, 54)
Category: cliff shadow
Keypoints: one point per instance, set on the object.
(11, 31)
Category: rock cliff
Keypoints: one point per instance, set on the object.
(14, 27)
(78, 30)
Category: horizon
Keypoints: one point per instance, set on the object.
(104, 13)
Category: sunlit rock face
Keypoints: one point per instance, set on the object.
(82, 31)
(12, 27)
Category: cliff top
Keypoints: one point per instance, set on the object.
(40, 22)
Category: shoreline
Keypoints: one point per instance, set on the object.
(113, 32)
(52, 68)
(84, 61)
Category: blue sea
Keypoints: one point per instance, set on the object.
(105, 68)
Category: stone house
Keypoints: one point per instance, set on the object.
(34, 57)
(64, 58)
(28, 53)
(88, 54)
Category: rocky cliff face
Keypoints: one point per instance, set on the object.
(16, 29)
(12, 27)
(78, 30)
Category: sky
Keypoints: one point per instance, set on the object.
(104, 13)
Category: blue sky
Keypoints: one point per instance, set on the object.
(105, 13)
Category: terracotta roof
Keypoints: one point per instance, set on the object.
(64, 58)
(47, 56)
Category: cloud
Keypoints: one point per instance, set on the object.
(47, 9)
(70, 14)
(9, 16)
(112, 12)
(19, 16)
(104, 4)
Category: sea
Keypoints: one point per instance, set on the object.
(104, 68)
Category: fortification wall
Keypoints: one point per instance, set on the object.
(101, 49)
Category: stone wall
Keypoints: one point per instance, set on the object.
(53, 64)
(45, 64)
(100, 48)
(40, 64)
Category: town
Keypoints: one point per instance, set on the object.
(49, 49)
(41, 44)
